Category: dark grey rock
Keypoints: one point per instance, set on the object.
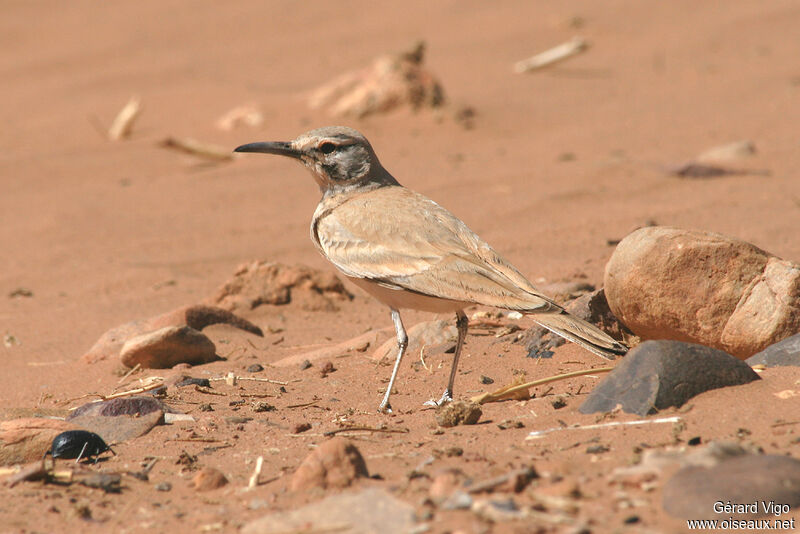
(120, 419)
(121, 406)
(660, 374)
(749, 479)
(782, 353)
(121, 427)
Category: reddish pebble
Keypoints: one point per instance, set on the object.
(208, 479)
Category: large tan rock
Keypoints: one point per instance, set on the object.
(702, 287)
(167, 347)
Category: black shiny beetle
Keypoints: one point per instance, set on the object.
(78, 444)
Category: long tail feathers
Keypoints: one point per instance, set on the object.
(582, 333)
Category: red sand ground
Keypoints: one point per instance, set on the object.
(558, 162)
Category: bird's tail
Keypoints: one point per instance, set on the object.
(584, 334)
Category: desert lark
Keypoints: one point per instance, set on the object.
(408, 252)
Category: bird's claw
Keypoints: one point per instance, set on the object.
(446, 397)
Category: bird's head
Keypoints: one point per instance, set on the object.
(338, 157)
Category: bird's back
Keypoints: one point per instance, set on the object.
(399, 238)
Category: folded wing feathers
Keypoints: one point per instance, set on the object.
(427, 250)
(582, 333)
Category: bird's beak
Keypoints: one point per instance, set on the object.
(280, 148)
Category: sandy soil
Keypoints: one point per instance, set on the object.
(558, 163)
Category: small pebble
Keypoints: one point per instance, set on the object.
(208, 479)
(486, 380)
(233, 420)
(597, 449)
(558, 403)
(300, 428)
(327, 368)
(186, 459)
(172, 418)
(163, 486)
(694, 441)
(458, 413)
(108, 482)
(206, 408)
(257, 504)
(194, 382)
(335, 463)
(453, 451)
(457, 501)
(158, 392)
(261, 406)
(255, 368)
(426, 514)
(305, 365)
(509, 423)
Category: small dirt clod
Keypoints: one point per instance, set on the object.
(458, 413)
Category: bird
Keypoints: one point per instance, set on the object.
(409, 252)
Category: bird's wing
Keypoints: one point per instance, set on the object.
(403, 240)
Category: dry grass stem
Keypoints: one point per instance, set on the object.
(509, 391)
(574, 46)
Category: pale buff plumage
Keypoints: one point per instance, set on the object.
(409, 252)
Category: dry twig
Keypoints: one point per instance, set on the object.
(509, 391)
(366, 429)
(252, 379)
(302, 405)
(558, 53)
(197, 148)
(208, 391)
(539, 433)
(129, 373)
(127, 393)
(256, 473)
(123, 123)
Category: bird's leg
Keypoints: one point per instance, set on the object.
(402, 343)
(462, 322)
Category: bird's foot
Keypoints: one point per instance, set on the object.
(446, 397)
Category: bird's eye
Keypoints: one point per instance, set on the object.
(327, 148)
